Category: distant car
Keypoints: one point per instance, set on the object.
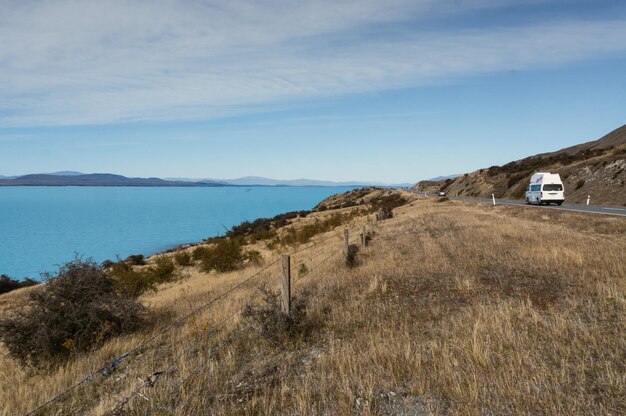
(441, 193)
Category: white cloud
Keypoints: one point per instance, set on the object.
(82, 62)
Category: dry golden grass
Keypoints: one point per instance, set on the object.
(454, 308)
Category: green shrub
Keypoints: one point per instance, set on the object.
(130, 282)
(75, 310)
(183, 258)
(162, 271)
(226, 255)
(199, 252)
(133, 283)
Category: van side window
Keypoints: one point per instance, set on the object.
(534, 188)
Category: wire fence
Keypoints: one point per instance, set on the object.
(151, 379)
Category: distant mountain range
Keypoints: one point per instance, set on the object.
(71, 178)
(95, 179)
(261, 181)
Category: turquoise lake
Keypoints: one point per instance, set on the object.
(43, 227)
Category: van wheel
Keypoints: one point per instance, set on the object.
(527, 201)
(559, 203)
(539, 202)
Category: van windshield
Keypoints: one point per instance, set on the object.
(553, 187)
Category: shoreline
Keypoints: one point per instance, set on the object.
(165, 249)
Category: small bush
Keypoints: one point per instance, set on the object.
(136, 259)
(278, 328)
(183, 258)
(7, 284)
(580, 184)
(162, 271)
(130, 282)
(351, 259)
(444, 199)
(225, 256)
(199, 253)
(74, 311)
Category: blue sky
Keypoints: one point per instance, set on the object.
(393, 91)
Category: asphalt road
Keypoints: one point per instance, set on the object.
(594, 209)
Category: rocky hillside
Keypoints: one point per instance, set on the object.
(596, 168)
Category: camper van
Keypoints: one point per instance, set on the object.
(545, 188)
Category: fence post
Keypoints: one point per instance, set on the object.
(588, 198)
(364, 237)
(346, 242)
(286, 284)
(493, 198)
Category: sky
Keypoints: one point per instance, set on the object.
(392, 91)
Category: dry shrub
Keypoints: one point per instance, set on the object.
(278, 328)
(74, 311)
(444, 199)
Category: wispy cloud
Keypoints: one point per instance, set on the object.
(87, 62)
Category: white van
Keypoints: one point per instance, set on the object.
(545, 188)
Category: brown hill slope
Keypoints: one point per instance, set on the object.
(596, 168)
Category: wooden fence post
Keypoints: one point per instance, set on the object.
(346, 242)
(286, 284)
(364, 237)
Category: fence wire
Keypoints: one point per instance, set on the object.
(111, 366)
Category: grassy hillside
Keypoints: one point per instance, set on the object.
(596, 168)
(452, 308)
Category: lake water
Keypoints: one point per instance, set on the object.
(43, 227)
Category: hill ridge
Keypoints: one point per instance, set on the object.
(596, 168)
